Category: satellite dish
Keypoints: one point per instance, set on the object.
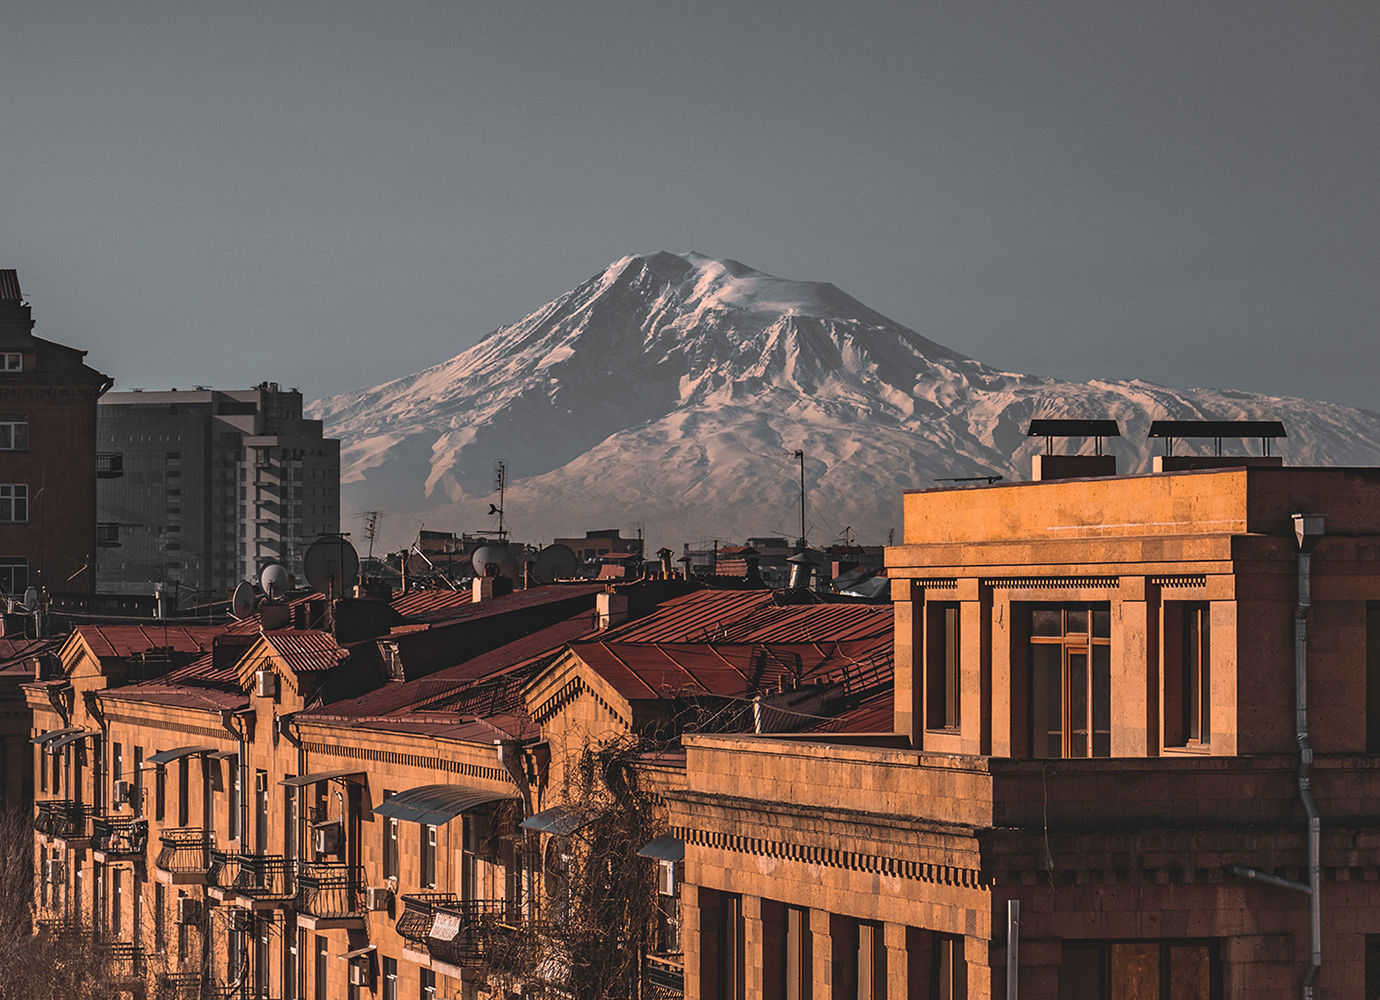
(555, 562)
(31, 598)
(500, 556)
(242, 602)
(331, 565)
(274, 581)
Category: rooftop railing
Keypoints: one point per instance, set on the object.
(331, 889)
(119, 838)
(64, 819)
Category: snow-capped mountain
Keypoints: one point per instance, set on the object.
(672, 389)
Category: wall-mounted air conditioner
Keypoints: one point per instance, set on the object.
(265, 683)
(361, 974)
(377, 897)
(326, 838)
(666, 877)
(188, 910)
(123, 791)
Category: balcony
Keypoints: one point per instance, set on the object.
(663, 977)
(177, 986)
(463, 932)
(110, 464)
(126, 961)
(114, 839)
(251, 881)
(330, 894)
(184, 857)
(415, 921)
(65, 821)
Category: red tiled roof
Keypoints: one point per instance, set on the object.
(642, 671)
(125, 640)
(181, 697)
(428, 602)
(306, 651)
(16, 655)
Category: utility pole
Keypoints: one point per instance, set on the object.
(801, 455)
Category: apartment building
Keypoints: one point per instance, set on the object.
(48, 456)
(215, 485)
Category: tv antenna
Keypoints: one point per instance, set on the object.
(801, 455)
(371, 519)
(500, 486)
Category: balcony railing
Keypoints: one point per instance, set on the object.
(419, 912)
(462, 932)
(64, 819)
(177, 986)
(664, 977)
(119, 838)
(330, 889)
(258, 876)
(185, 852)
(126, 959)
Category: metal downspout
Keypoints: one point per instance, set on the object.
(1308, 529)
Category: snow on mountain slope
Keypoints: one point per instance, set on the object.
(672, 389)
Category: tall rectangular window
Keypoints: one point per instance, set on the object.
(14, 503)
(942, 681)
(948, 968)
(1373, 677)
(117, 901)
(14, 575)
(183, 791)
(390, 979)
(117, 762)
(232, 805)
(390, 842)
(11, 362)
(160, 917)
(428, 856)
(1070, 680)
(14, 432)
(1181, 970)
(138, 777)
(871, 962)
(732, 942)
(160, 790)
(323, 965)
(1197, 703)
(261, 811)
(428, 984)
(289, 958)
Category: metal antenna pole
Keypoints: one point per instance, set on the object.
(801, 455)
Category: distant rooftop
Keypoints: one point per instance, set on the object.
(9, 285)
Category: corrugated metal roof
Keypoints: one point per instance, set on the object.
(121, 641)
(306, 651)
(427, 602)
(436, 805)
(9, 285)
(698, 615)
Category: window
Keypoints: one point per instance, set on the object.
(117, 762)
(428, 984)
(14, 503)
(14, 575)
(322, 967)
(390, 842)
(11, 361)
(14, 432)
(1070, 680)
(138, 776)
(1197, 706)
(117, 886)
(942, 659)
(182, 940)
(160, 791)
(183, 791)
(871, 962)
(732, 984)
(428, 856)
(949, 969)
(264, 926)
(232, 805)
(1373, 677)
(390, 979)
(1184, 970)
(160, 916)
(289, 961)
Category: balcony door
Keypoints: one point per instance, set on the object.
(1070, 680)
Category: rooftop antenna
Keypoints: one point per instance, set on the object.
(500, 485)
(371, 519)
(801, 455)
(641, 528)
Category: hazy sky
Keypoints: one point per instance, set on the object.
(334, 194)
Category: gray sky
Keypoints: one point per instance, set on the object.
(333, 194)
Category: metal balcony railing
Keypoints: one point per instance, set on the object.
(126, 959)
(259, 876)
(418, 914)
(185, 852)
(242, 991)
(177, 986)
(330, 889)
(664, 977)
(462, 931)
(64, 819)
(120, 838)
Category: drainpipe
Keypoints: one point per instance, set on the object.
(1308, 529)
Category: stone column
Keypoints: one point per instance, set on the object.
(764, 934)
(699, 914)
(835, 958)
(907, 962)
(909, 609)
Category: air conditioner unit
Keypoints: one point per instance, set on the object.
(123, 792)
(377, 897)
(361, 974)
(326, 838)
(265, 683)
(188, 910)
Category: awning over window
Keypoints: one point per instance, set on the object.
(559, 820)
(53, 734)
(667, 847)
(76, 737)
(311, 779)
(168, 756)
(350, 956)
(222, 755)
(436, 805)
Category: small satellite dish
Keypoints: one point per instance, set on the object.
(555, 562)
(31, 598)
(331, 565)
(242, 601)
(500, 555)
(274, 581)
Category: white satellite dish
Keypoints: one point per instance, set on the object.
(274, 581)
(31, 599)
(242, 601)
(498, 555)
(555, 562)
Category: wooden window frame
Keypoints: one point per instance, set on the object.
(1072, 644)
(943, 666)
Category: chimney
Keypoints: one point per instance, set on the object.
(611, 609)
(486, 588)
